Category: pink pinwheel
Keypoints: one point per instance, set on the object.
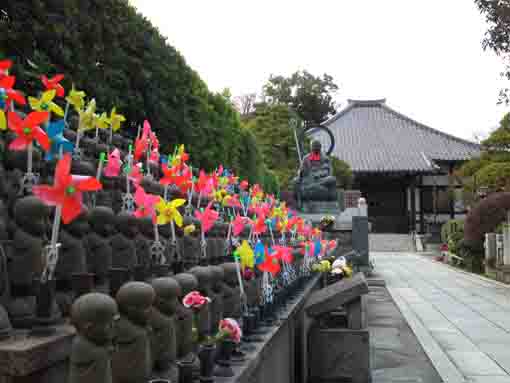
(66, 190)
(142, 143)
(145, 203)
(135, 174)
(204, 184)
(238, 225)
(259, 226)
(154, 157)
(283, 253)
(112, 169)
(233, 201)
(207, 217)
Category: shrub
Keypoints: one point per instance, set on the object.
(452, 232)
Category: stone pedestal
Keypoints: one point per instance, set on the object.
(506, 245)
(28, 359)
(503, 274)
(490, 252)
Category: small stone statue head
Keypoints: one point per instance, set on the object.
(135, 300)
(102, 220)
(93, 315)
(79, 227)
(32, 215)
(230, 270)
(167, 292)
(218, 275)
(316, 146)
(188, 283)
(126, 224)
(204, 277)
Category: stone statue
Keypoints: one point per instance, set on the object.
(97, 244)
(132, 361)
(26, 264)
(162, 321)
(143, 241)
(72, 259)
(93, 315)
(188, 283)
(232, 303)
(204, 277)
(123, 244)
(315, 180)
(217, 285)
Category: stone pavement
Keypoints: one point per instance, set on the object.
(461, 320)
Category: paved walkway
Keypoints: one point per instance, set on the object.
(462, 321)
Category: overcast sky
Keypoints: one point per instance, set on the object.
(424, 57)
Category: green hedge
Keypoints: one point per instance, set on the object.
(117, 56)
(452, 233)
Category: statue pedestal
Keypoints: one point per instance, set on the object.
(30, 359)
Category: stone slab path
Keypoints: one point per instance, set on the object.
(461, 320)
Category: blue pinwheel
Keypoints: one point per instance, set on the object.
(55, 132)
(259, 252)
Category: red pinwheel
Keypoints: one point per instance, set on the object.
(135, 174)
(145, 203)
(66, 190)
(283, 253)
(28, 130)
(238, 225)
(204, 184)
(270, 265)
(172, 176)
(142, 142)
(7, 94)
(259, 226)
(207, 217)
(54, 83)
(5, 65)
(244, 185)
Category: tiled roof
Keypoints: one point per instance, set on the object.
(372, 137)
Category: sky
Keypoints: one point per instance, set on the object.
(424, 57)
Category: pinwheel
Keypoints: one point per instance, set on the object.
(232, 201)
(180, 157)
(171, 176)
(100, 122)
(5, 65)
(270, 265)
(207, 217)
(238, 225)
(148, 138)
(135, 174)
(283, 253)
(67, 189)
(53, 84)
(28, 130)
(154, 156)
(245, 254)
(55, 132)
(259, 226)
(260, 251)
(46, 104)
(114, 164)
(86, 121)
(243, 185)
(7, 97)
(145, 203)
(115, 120)
(76, 98)
(168, 211)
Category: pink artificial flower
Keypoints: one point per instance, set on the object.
(231, 329)
(195, 300)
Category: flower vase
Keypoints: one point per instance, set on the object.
(206, 356)
(223, 367)
(185, 371)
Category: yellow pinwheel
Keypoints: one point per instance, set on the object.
(101, 121)
(87, 116)
(76, 98)
(45, 103)
(168, 211)
(245, 253)
(189, 229)
(115, 120)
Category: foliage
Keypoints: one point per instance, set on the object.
(497, 37)
(271, 127)
(343, 173)
(452, 232)
(117, 56)
(310, 96)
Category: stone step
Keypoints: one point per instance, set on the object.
(390, 242)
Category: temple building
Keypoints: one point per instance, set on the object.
(402, 167)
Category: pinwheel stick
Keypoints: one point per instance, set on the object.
(56, 226)
(149, 149)
(100, 166)
(156, 232)
(271, 232)
(199, 199)
(30, 150)
(240, 280)
(172, 226)
(165, 195)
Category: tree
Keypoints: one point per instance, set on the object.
(310, 96)
(245, 103)
(497, 37)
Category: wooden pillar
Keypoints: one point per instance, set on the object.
(412, 191)
(422, 213)
(452, 186)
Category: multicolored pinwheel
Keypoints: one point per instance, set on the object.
(66, 190)
(7, 96)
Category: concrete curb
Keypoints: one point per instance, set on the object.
(443, 365)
